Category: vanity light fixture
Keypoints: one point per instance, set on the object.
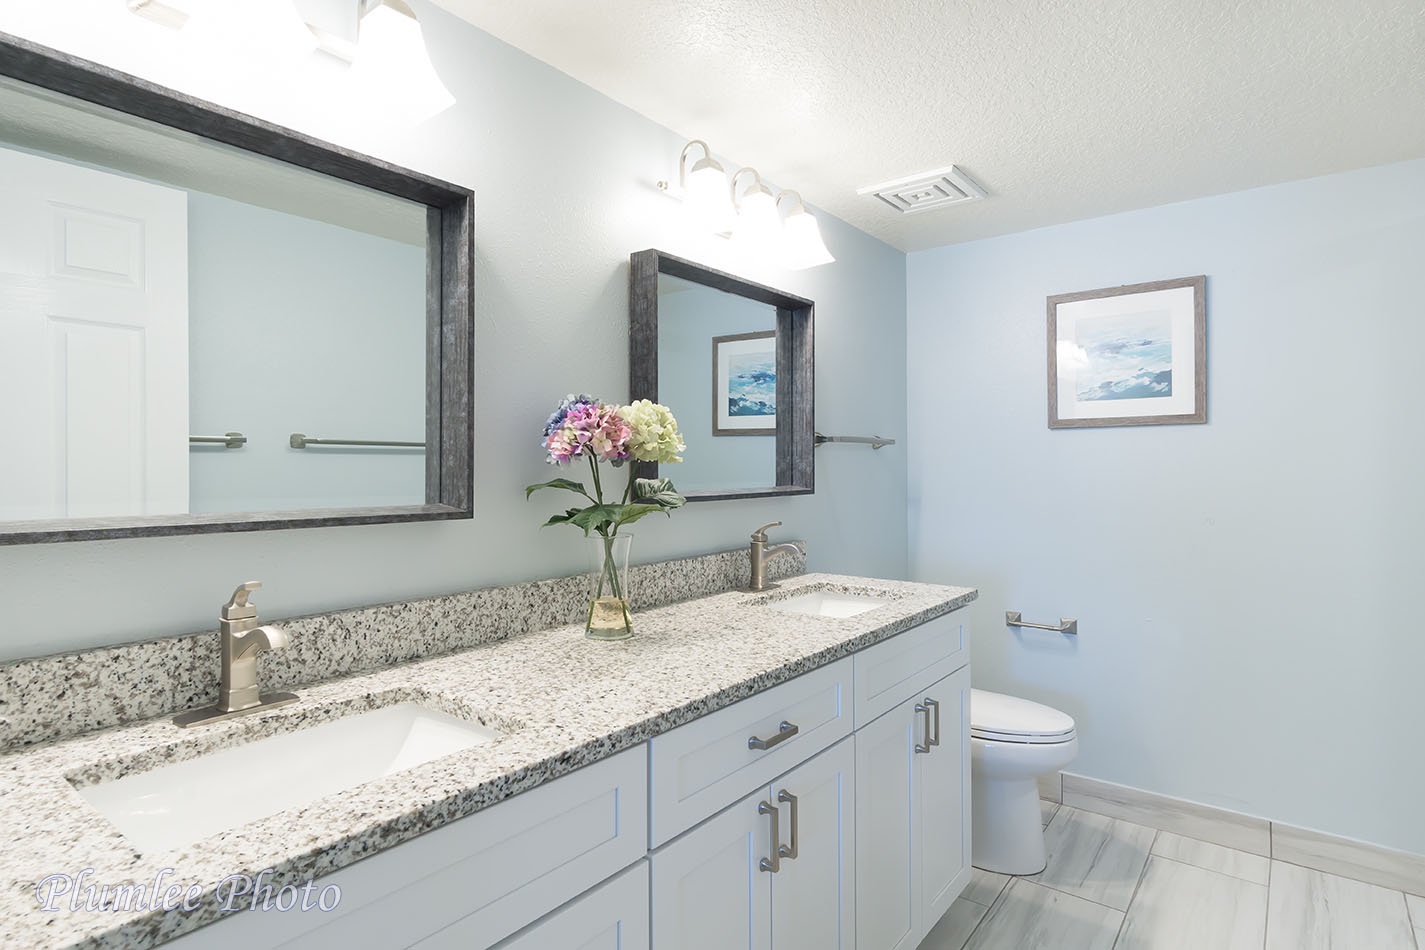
(392, 64)
(747, 211)
(802, 246)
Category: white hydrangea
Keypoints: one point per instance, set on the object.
(655, 435)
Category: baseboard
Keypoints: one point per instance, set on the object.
(1346, 857)
(1203, 822)
(1051, 787)
(1361, 860)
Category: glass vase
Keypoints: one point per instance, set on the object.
(608, 616)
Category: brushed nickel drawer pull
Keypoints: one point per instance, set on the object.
(773, 864)
(934, 708)
(790, 852)
(924, 711)
(784, 732)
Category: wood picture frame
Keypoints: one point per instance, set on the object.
(1129, 356)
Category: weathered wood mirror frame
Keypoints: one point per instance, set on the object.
(796, 467)
(450, 269)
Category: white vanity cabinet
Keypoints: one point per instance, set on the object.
(773, 872)
(829, 812)
(912, 784)
(771, 780)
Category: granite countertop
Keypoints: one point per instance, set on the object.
(558, 700)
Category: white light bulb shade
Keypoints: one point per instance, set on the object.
(392, 69)
(802, 246)
(266, 29)
(706, 197)
(759, 226)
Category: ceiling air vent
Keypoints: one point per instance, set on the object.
(927, 191)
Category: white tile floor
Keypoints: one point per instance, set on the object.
(1114, 885)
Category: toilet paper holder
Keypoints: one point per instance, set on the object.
(1066, 624)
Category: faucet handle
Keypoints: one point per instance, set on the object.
(761, 533)
(238, 608)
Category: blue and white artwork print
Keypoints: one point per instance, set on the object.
(745, 383)
(752, 384)
(1126, 356)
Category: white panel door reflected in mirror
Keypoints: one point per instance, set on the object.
(155, 286)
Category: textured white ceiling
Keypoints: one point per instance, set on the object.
(1060, 109)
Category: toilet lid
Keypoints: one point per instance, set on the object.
(997, 716)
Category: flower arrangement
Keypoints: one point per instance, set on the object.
(643, 431)
(585, 428)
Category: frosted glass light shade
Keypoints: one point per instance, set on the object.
(392, 69)
(802, 243)
(706, 197)
(759, 226)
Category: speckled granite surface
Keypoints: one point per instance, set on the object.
(72, 693)
(559, 701)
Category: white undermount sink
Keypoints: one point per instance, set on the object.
(185, 802)
(829, 603)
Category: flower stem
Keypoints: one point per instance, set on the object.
(598, 488)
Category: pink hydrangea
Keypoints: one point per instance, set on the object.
(588, 429)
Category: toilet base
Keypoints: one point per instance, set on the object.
(1008, 836)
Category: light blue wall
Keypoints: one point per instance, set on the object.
(1246, 590)
(329, 341)
(688, 319)
(564, 183)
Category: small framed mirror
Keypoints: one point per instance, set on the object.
(733, 360)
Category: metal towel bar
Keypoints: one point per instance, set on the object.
(1066, 624)
(232, 440)
(874, 441)
(300, 441)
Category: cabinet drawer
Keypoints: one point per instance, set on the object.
(896, 669)
(700, 768)
(490, 873)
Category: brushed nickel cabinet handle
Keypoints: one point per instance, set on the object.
(784, 732)
(924, 711)
(773, 864)
(790, 852)
(933, 739)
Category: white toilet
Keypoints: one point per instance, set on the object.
(1012, 742)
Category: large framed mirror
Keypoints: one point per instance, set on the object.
(733, 360)
(210, 323)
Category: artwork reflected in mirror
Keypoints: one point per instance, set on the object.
(745, 384)
(732, 359)
(175, 310)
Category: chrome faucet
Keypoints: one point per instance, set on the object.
(242, 640)
(761, 552)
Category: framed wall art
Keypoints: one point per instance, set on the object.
(1129, 356)
(744, 381)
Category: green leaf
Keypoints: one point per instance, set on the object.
(595, 517)
(565, 518)
(632, 513)
(564, 483)
(658, 491)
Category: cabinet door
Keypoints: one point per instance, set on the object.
(813, 894)
(943, 806)
(887, 879)
(613, 916)
(709, 892)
